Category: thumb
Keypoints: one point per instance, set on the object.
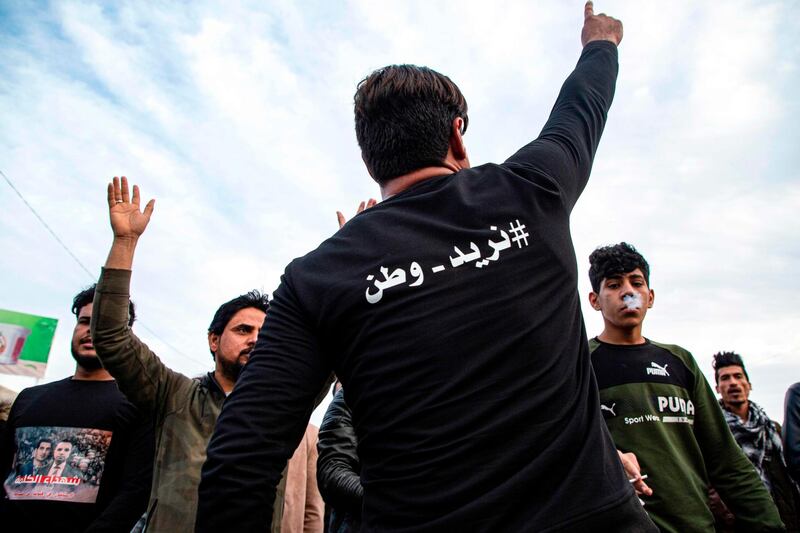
(148, 209)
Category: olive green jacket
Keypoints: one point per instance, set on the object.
(185, 410)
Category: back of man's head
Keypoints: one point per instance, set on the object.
(86, 296)
(614, 260)
(226, 311)
(404, 115)
(723, 359)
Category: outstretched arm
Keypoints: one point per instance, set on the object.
(560, 159)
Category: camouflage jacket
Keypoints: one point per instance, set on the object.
(185, 410)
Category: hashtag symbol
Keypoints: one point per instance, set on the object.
(518, 233)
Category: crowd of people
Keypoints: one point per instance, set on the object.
(467, 394)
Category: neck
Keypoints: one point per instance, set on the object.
(401, 183)
(226, 384)
(742, 410)
(622, 336)
(92, 375)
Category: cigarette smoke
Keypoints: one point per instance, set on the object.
(632, 301)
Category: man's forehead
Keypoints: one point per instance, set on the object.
(249, 315)
(731, 369)
(86, 311)
(635, 273)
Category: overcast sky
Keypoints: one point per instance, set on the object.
(237, 118)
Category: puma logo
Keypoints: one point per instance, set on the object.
(657, 370)
(609, 409)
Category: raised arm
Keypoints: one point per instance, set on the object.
(140, 374)
(564, 151)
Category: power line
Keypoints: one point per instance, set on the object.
(48, 228)
(83, 267)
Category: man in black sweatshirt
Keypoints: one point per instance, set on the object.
(450, 313)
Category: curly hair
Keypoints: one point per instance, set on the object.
(614, 260)
(723, 359)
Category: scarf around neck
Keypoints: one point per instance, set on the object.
(757, 437)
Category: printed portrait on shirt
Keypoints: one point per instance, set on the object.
(58, 463)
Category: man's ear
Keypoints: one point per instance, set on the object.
(457, 147)
(594, 301)
(213, 342)
(716, 387)
(652, 299)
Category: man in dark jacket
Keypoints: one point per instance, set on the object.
(338, 467)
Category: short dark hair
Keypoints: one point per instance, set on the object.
(404, 115)
(723, 359)
(226, 311)
(614, 260)
(47, 440)
(86, 296)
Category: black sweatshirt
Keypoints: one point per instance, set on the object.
(450, 313)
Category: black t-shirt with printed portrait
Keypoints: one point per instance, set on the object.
(450, 312)
(97, 466)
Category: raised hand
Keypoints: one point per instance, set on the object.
(599, 27)
(340, 217)
(127, 221)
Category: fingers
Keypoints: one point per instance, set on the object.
(360, 207)
(135, 200)
(641, 487)
(340, 218)
(588, 9)
(371, 203)
(125, 193)
(117, 190)
(111, 201)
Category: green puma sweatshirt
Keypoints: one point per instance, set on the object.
(658, 405)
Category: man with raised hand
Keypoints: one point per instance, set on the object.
(184, 409)
(661, 411)
(451, 315)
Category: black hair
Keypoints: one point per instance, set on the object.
(46, 439)
(723, 359)
(403, 119)
(86, 296)
(226, 311)
(614, 260)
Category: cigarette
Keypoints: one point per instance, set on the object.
(633, 480)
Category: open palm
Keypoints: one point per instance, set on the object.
(127, 221)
